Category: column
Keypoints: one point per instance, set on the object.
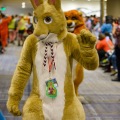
(101, 11)
(113, 8)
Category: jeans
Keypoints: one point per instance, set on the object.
(112, 58)
(117, 52)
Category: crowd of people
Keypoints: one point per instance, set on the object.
(108, 44)
(18, 27)
(15, 27)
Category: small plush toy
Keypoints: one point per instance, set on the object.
(75, 23)
(49, 53)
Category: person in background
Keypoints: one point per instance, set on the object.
(104, 49)
(111, 60)
(106, 27)
(16, 18)
(12, 33)
(96, 27)
(114, 24)
(30, 17)
(102, 44)
(0, 46)
(4, 21)
(116, 34)
(29, 27)
(88, 23)
(21, 29)
(2, 116)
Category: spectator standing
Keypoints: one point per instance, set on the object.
(106, 28)
(4, 21)
(2, 116)
(116, 34)
(30, 17)
(12, 33)
(21, 29)
(29, 27)
(96, 27)
(17, 18)
(88, 23)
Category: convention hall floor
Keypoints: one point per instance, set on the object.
(102, 96)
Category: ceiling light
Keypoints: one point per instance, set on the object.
(23, 5)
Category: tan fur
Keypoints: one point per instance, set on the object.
(82, 51)
(79, 77)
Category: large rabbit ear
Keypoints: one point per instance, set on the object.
(36, 3)
(56, 3)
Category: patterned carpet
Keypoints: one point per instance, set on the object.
(8, 62)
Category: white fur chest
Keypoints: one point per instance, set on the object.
(51, 107)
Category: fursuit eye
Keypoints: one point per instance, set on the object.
(66, 18)
(74, 18)
(35, 20)
(48, 20)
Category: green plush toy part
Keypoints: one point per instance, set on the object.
(48, 54)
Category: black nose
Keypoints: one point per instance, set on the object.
(69, 24)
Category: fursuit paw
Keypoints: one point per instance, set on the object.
(12, 106)
(86, 39)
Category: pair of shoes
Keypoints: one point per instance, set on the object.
(114, 73)
(107, 70)
(18, 44)
(2, 51)
(104, 62)
(12, 42)
(116, 79)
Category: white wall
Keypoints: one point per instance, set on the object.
(14, 11)
(89, 8)
(67, 5)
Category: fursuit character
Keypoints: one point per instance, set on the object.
(49, 53)
(75, 23)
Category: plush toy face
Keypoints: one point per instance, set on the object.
(49, 19)
(74, 19)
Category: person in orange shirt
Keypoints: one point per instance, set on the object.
(4, 21)
(105, 48)
(103, 42)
